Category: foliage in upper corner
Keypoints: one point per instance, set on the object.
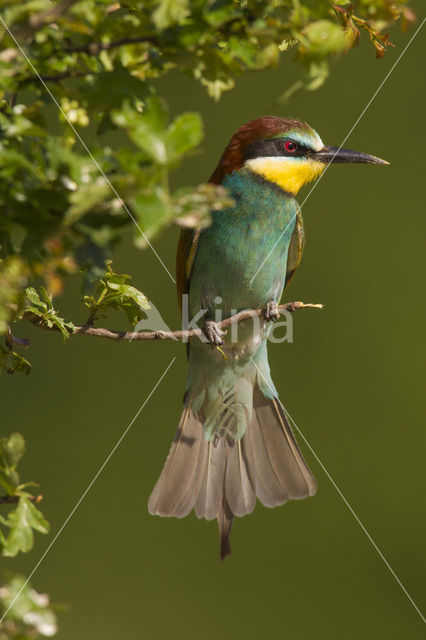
(18, 526)
(62, 207)
(31, 616)
(213, 41)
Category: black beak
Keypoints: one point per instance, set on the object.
(335, 154)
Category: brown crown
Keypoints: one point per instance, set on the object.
(265, 127)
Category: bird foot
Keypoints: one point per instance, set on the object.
(213, 333)
(270, 312)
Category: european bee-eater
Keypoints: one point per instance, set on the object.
(234, 443)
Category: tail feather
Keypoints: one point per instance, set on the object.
(208, 502)
(179, 484)
(221, 478)
(225, 519)
(186, 503)
(268, 487)
(239, 490)
(280, 470)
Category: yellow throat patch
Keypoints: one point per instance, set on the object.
(288, 173)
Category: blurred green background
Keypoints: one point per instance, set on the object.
(352, 380)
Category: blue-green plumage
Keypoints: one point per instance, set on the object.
(240, 264)
(234, 443)
(234, 247)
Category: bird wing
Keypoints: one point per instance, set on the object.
(295, 250)
(185, 259)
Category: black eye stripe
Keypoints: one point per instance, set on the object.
(274, 147)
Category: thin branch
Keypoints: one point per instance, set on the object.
(136, 336)
(15, 499)
(60, 76)
(38, 20)
(93, 48)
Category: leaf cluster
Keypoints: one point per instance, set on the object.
(18, 526)
(114, 291)
(111, 291)
(65, 204)
(40, 306)
(31, 616)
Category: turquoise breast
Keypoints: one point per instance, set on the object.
(241, 257)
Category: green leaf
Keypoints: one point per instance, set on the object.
(153, 212)
(31, 613)
(13, 362)
(170, 12)
(66, 328)
(47, 299)
(107, 90)
(46, 312)
(323, 38)
(114, 291)
(126, 291)
(185, 133)
(267, 57)
(13, 272)
(86, 198)
(12, 161)
(146, 129)
(11, 450)
(22, 521)
(33, 296)
(9, 481)
(25, 518)
(313, 78)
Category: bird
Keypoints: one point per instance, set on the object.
(234, 444)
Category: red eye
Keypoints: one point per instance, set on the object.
(290, 146)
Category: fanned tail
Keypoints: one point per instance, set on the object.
(221, 478)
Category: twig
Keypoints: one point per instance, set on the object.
(136, 336)
(15, 499)
(71, 74)
(38, 20)
(93, 48)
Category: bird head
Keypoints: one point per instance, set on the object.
(283, 151)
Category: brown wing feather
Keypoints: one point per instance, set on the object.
(295, 250)
(186, 250)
